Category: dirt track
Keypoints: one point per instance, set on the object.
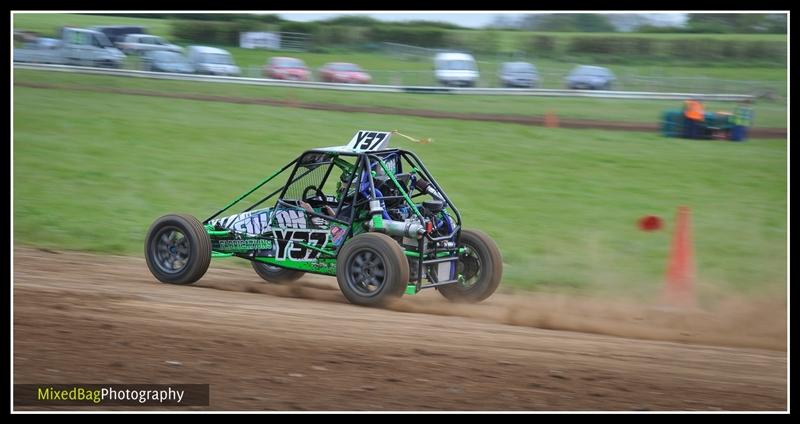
(81, 318)
(756, 132)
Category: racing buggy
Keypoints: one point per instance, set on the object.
(371, 215)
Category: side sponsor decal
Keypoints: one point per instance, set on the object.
(253, 222)
(244, 245)
(290, 218)
(339, 233)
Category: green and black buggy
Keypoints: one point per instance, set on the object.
(371, 215)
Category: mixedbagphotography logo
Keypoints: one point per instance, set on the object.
(111, 394)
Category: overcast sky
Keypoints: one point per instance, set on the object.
(474, 20)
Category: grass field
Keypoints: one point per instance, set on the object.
(92, 170)
(768, 114)
(386, 69)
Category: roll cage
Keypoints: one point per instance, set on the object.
(360, 170)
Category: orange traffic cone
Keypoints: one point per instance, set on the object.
(679, 289)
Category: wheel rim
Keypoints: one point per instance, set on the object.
(469, 266)
(170, 250)
(366, 272)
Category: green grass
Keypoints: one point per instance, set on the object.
(93, 170)
(768, 114)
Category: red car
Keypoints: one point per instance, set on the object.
(287, 68)
(348, 73)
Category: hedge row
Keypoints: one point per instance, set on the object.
(488, 42)
(227, 33)
(214, 32)
(685, 49)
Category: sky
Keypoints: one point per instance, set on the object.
(472, 20)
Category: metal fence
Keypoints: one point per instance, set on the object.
(764, 90)
(489, 78)
(384, 88)
(768, 90)
(295, 41)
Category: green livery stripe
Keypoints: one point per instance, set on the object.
(319, 266)
(327, 252)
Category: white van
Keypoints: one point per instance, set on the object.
(456, 69)
(211, 61)
(81, 47)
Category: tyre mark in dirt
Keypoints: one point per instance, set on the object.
(755, 132)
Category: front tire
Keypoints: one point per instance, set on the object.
(372, 270)
(177, 249)
(481, 266)
(274, 274)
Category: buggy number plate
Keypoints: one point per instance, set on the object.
(293, 244)
(366, 141)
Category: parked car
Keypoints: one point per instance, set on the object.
(348, 73)
(139, 43)
(456, 69)
(590, 78)
(166, 61)
(39, 50)
(518, 74)
(212, 61)
(287, 68)
(117, 33)
(77, 46)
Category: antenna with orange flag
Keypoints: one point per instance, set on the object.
(420, 141)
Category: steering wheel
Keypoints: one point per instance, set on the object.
(317, 193)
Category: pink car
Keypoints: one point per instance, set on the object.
(287, 68)
(348, 73)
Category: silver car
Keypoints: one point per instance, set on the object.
(212, 61)
(139, 43)
(166, 61)
(518, 74)
(590, 78)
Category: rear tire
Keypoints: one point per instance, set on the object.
(372, 270)
(274, 274)
(482, 268)
(177, 249)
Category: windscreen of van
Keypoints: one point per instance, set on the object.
(101, 40)
(456, 65)
(217, 59)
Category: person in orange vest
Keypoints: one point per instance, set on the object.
(694, 115)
